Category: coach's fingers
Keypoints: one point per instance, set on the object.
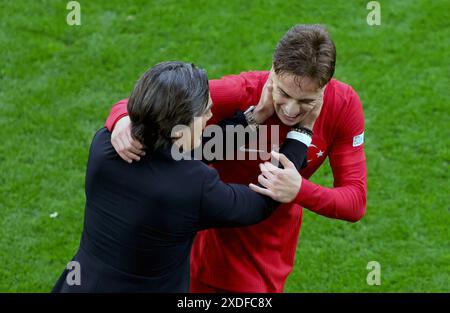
(260, 190)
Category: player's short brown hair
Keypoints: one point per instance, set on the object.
(306, 51)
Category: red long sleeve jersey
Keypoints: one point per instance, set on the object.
(259, 258)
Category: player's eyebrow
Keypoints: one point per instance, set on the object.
(305, 100)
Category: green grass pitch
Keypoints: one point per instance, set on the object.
(58, 82)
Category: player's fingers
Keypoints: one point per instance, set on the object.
(132, 156)
(118, 145)
(269, 85)
(265, 171)
(260, 190)
(131, 148)
(283, 160)
(264, 174)
(136, 144)
(265, 182)
(129, 156)
(274, 169)
(317, 108)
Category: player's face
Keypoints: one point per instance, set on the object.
(294, 97)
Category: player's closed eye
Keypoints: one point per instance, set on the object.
(282, 93)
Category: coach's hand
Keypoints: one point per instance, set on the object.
(126, 146)
(265, 108)
(282, 185)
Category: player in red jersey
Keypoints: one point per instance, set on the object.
(259, 258)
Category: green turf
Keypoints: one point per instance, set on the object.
(57, 84)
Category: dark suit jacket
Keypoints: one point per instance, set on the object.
(141, 218)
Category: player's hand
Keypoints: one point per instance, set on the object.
(282, 185)
(265, 108)
(314, 113)
(125, 145)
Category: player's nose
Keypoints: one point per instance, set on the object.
(291, 108)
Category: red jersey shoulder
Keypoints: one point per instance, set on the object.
(343, 101)
(257, 75)
(254, 83)
(340, 94)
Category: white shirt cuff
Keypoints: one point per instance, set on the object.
(299, 137)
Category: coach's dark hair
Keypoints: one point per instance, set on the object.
(306, 51)
(168, 94)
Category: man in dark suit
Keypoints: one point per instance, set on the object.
(141, 218)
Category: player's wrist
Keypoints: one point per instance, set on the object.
(302, 134)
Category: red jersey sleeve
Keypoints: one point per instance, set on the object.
(118, 111)
(229, 94)
(347, 200)
(235, 92)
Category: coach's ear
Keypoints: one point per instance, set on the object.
(177, 135)
(181, 136)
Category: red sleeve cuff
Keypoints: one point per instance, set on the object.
(118, 111)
